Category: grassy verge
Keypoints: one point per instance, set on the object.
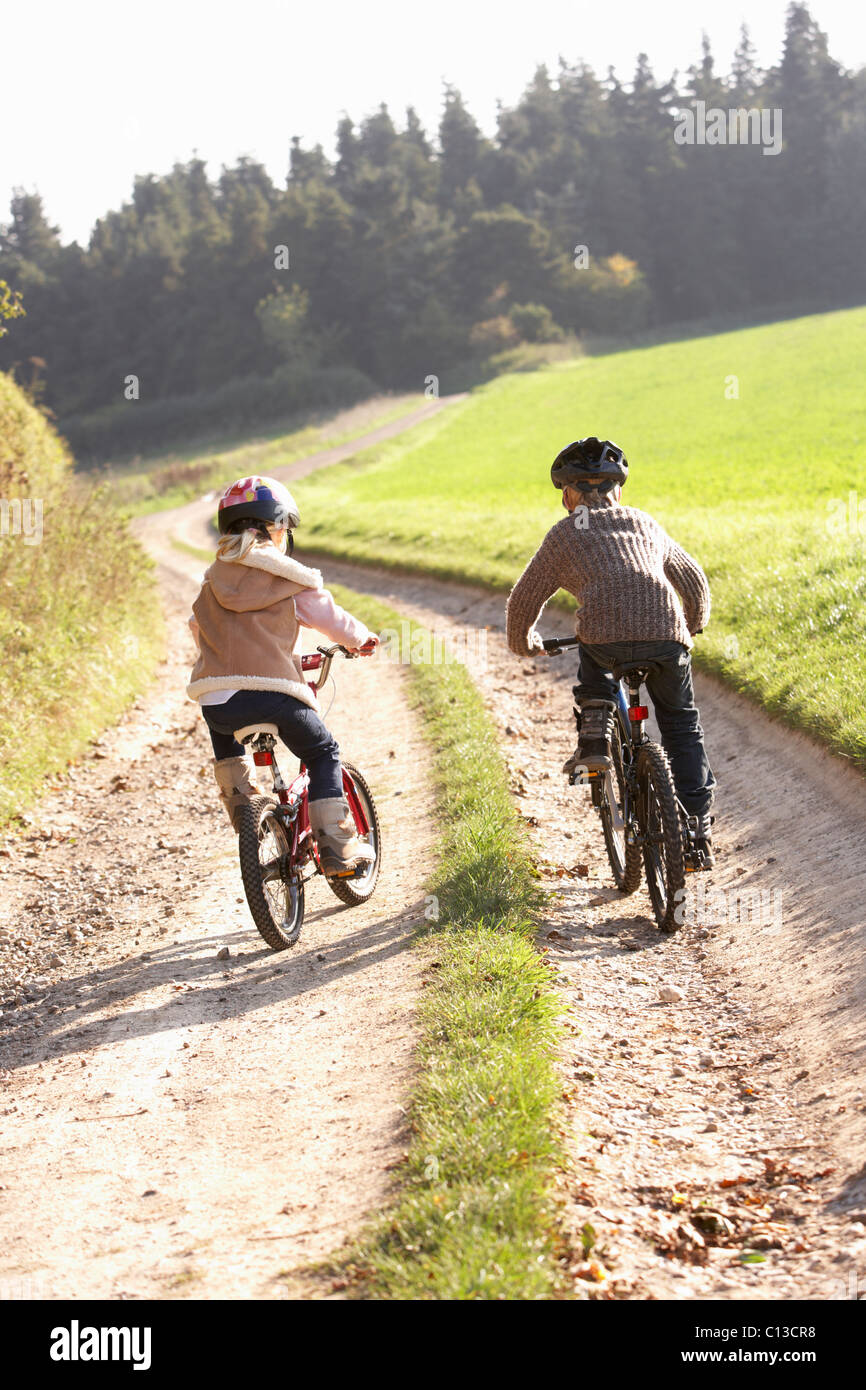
(80, 624)
(172, 478)
(473, 1218)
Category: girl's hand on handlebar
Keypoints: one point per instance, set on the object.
(368, 647)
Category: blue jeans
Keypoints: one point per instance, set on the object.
(302, 730)
(670, 686)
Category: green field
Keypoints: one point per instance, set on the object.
(758, 487)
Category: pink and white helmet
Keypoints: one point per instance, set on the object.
(257, 499)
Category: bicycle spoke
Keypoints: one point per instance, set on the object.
(272, 869)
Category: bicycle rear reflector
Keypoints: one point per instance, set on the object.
(263, 759)
(638, 712)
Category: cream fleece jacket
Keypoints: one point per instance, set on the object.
(247, 628)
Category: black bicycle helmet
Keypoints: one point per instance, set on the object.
(590, 463)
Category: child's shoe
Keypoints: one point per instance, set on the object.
(595, 726)
(704, 840)
(341, 849)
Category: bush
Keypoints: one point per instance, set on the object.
(535, 323)
(79, 628)
(493, 335)
(610, 296)
(135, 427)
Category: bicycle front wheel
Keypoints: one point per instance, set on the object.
(352, 891)
(659, 817)
(274, 889)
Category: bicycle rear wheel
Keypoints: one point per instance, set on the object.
(662, 835)
(609, 798)
(352, 891)
(274, 889)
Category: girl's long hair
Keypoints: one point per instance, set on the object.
(234, 546)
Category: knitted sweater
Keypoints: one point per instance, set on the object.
(625, 572)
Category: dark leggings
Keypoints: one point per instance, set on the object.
(301, 728)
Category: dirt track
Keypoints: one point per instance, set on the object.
(133, 1164)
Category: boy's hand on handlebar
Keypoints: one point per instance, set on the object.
(552, 646)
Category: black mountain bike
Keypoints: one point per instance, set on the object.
(641, 816)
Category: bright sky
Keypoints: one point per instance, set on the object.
(102, 90)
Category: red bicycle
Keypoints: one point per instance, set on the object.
(277, 847)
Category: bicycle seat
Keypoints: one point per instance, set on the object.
(639, 669)
(250, 731)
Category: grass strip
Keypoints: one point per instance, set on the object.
(473, 1218)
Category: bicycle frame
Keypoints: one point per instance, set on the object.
(631, 715)
(293, 798)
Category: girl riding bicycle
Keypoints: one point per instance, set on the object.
(641, 598)
(246, 621)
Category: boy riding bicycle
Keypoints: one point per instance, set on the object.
(641, 598)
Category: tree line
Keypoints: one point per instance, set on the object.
(590, 208)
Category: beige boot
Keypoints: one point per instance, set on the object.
(236, 779)
(340, 848)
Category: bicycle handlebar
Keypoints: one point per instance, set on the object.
(324, 665)
(553, 645)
